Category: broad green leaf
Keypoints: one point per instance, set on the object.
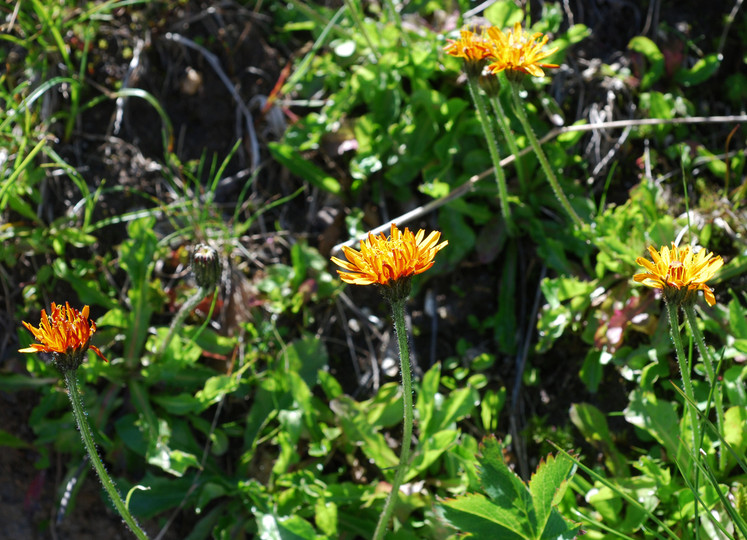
(429, 451)
(504, 487)
(179, 404)
(548, 484)
(735, 428)
(454, 407)
(592, 423)
(285, 528)
(700, 72)
(657, 417)
(307, 356)
(483, 520)
(654, 56)
(426, 400)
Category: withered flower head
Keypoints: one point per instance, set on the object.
(66, 334)
(680, 273)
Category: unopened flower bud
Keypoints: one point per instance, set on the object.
(206, 266)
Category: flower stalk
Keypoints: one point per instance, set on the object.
(705, 354)
(398, 313)
(487, 128)
(540, 153)
(674, 328)
(505, 127)
(680, 273)
(390, 263)
(65, 336)
(207, 268)
(81, 420)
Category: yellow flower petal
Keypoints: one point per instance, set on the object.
(383, 260)
(64, 331)
(677, 268)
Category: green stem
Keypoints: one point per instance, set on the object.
(521, 114)
(503, 123)
(398, 310)
(674, 327)
(188, 306)
(705, 354)
(81, 420)
(487, 129)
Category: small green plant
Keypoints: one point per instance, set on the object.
(513, 509)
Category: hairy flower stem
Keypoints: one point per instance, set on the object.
(81, 420)
(503, 123)
(521, 114)
(188, 306)
(398, 311)
(674, 327)
(487, 129)
(705, 354)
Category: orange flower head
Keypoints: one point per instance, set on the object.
(680, 272)
(471, 46)
(66, 334)
(386, 261)
(516, 51)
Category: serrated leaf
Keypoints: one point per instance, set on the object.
(503, 486)
(548, 484)
(483, 519)
(558, 528)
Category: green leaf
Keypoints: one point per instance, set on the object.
(295, 163)
(11, 441)
(548, 484)
(430, 450)
(700, 72)
(735, 428)
(271, 527)
(136, 258)
(504, 487)
(648, 48)
(483, 520)
(657, 417)
(592, 423)
(307, 356)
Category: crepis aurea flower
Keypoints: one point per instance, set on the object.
(392, 260)
(471, 46)
(66, 334)
(680, 273)
(516, 51)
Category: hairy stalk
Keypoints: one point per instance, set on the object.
(503, 123)
(398, 310)
(674, 327)
(81, 420)
(188, 306)
(705, 354)
(521, 114)
(487, 129)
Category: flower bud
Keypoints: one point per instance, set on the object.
(206, 266)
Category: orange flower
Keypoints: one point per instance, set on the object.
(66, 333)
(470, 46)
(385, 260)
(679, 272)
(518, 51)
